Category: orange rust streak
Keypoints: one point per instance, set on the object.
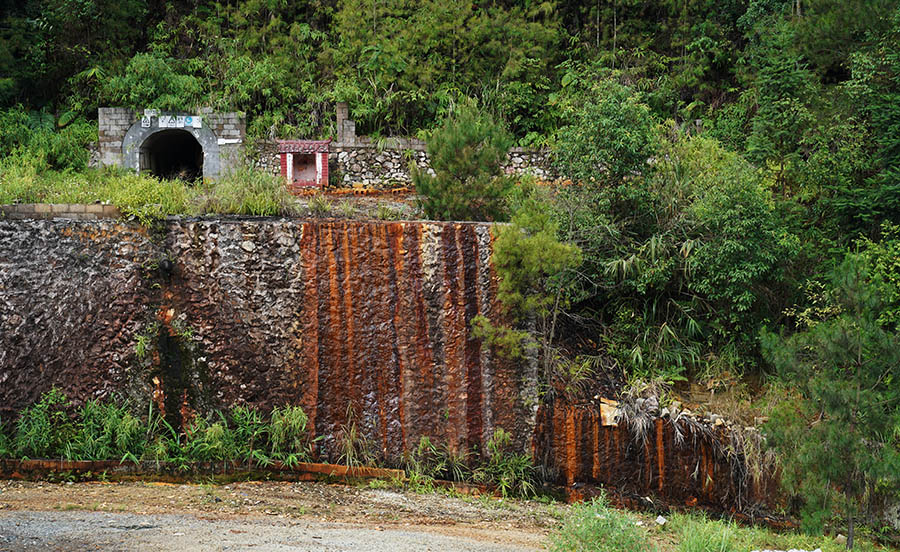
(660, 454)
(310, 335)
(346, 235)
(397, 234)
(570, 446)
(595, 463)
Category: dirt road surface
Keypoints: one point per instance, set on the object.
(273, 516)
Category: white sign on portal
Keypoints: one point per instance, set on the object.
(179, 121)
(145, 122)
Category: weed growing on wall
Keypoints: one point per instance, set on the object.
(289, 435)
(43, 428)
(512, 472)
(355, 448)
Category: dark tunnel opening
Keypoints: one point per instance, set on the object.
(171, 154)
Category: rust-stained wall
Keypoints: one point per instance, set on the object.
(374, 316)
(367, 317)
(371, 318)
(684, 462)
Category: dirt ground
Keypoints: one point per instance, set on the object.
(263, 516)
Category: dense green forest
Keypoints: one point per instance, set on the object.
(736, 167)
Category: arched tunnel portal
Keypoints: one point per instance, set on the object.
(172, 153)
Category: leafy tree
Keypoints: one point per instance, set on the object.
(784, 86)
(150, 80)
(466, 153)
(837, 441)
(530, 261)
(401, 64)
(866, 202)
(606, 138)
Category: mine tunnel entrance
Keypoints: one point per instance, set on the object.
(172, 153)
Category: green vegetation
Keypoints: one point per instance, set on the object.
(51, 428)
(596, 526)
(836, 440)
(723, 156)
(467, 152)
(243, 192)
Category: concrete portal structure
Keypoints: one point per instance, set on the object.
(195, 146)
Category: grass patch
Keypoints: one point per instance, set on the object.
(243, 191)
(598, 527)
(698, 533)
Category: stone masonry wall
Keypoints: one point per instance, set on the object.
(368, 166)
(331, 315)
(362, 323)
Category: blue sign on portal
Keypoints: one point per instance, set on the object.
(188, 121)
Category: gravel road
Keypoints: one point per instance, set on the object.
(83, 531)
(256, 515)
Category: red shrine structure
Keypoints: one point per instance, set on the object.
(304, 163)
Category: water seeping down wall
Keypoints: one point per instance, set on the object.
(364, 323)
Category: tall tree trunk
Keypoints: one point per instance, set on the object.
(850, 533)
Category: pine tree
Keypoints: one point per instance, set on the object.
(467, 153)
(838, 442)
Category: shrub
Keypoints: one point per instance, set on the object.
(606, 138)
(288, 435)
(209, 441)
(596, 527)
(249, 434)
(512, 472)
(467, 153)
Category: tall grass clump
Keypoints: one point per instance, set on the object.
(106, 431)
(248, 191)
(206, 441)
(250, 435)
(43, 428)
(595, 526)
(699, 534)
(513, 473)
(289, 436)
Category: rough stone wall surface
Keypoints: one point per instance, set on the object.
(683, 462)
(370, 166)
(358, 322)
(363, 164)
(73, 298)
(361, 323)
